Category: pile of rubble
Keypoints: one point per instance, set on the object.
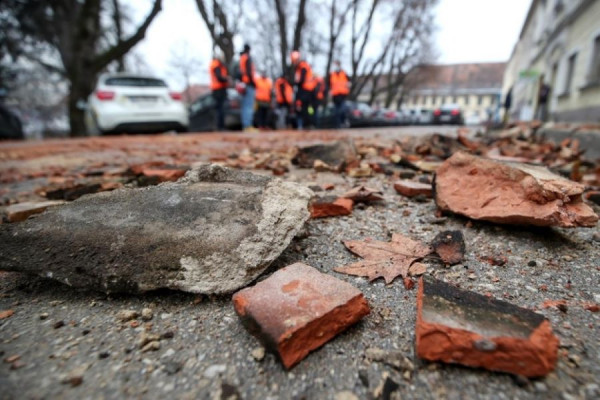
(211, 229)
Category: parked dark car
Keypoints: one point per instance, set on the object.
(10, 124)
(202, 113)
(448, 114)
(385, 117)
(360, 115)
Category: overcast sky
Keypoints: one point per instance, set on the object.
(468, 31)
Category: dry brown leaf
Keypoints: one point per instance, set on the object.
(6, 313)
(384, 259)
(363, 194)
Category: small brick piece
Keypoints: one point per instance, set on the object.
(458, 326)
(330, 206)
(22, 211)
(298, 309)
(450, 246)
(412, 188)
(164, 175)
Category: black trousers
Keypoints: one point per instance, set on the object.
(220, 97)
(305, 98)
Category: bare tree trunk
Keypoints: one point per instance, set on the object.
(283, 45)
(219, 28)
(118, 22)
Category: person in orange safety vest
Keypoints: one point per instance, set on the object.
(219, 82)
(339, 86)
(284, 94)
(264, 87)
(305, 86)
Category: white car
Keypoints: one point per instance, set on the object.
(128, 103)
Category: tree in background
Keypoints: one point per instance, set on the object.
(185, 64)
(75, 39)
(223, 20)
(407, 45)
(379, 41)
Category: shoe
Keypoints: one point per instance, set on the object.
(250, 129)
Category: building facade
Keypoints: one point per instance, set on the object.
(476, 88)
(558, 50)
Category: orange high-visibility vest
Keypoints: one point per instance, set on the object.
(215, 84)
(263, 89)
(320, 87)
(309, 83)
(287, 90)
(243, 71)
(339, 83)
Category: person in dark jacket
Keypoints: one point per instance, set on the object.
(219, 82)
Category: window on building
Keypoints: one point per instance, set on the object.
(570, 72)
(595, 70)
(479, 100)
(454, 100)
(466, 100)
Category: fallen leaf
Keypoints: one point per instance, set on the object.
(363, 194)
(6, 313)
(384, 259)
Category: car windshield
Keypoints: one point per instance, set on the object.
(134, 81)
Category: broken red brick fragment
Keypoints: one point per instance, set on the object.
(163, 175)
(298, 309)
(412, 189)
(22, 211)
(450, 246)
(510, 193)
(330, 206)
(458, 326)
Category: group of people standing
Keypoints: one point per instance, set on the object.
(300, 98)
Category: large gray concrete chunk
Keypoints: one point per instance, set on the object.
(213, 231)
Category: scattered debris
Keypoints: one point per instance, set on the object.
(412, 188)
(458, 326)
(330, 206)
(163, 174)
(559, 304)
(510, 193)
(21, 211)
(335, 155)
(298, 309)
(393, 358)
(75, 377)
(386, 387)
(593, 307)
(384, 259)
(213, 231)
(127, 315)
(258, 353)
(147, 314)
(450, 246)
(363, 194)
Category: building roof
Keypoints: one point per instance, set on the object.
(459, 77)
